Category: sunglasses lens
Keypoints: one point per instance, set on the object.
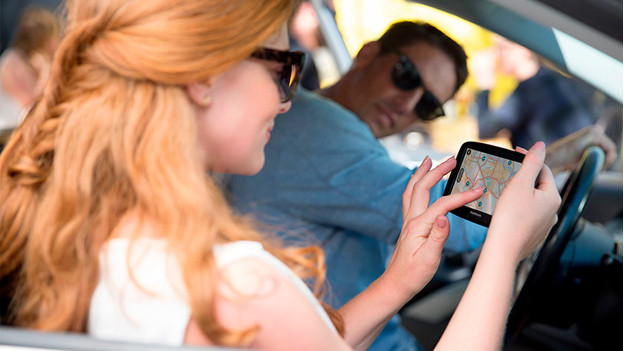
(429, 108)
(405, 76)
(292, 63)
(288, 82)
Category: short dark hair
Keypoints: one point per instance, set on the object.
(405, 33)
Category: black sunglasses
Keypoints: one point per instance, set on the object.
(288, 77)
(405, 76)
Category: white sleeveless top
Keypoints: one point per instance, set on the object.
(159, 313)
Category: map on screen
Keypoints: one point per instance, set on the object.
(482, 169)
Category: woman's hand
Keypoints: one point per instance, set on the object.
(425, 228)
(523, 216)
(415, 259)
(525, 212)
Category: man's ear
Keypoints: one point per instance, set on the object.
(366, 54)
(199, 93)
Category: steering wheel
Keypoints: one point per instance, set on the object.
(537, 271)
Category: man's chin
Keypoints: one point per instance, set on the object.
(375, 128)
(381, 132)
(382, 128)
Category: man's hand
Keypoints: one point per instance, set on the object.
(565, 153)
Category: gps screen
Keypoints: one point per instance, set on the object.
(482, 169)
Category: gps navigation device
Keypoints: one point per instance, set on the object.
(480, 164)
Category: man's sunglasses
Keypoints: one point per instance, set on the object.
(406, 77)
(288, 77)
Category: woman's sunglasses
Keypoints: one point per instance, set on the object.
(406, 77)
(288, 77)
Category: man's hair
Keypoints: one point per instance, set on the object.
(405, 33)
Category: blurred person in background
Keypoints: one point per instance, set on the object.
(305, 35)
(25, 65)
(545, 105)
(303, 31)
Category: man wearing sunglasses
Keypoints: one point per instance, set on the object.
(395, 82)
(328, 181)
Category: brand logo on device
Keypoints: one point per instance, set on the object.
(476, 214)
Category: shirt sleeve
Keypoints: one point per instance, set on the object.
(358, 188)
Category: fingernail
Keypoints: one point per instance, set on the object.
(440, 222)
(478, 190)
(540, 145)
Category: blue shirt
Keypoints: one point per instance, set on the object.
(327, 181)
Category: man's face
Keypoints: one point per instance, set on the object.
(511, 56)
(387, 109)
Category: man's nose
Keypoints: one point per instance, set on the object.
(406, 101)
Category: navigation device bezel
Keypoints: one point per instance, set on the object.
(468, 213)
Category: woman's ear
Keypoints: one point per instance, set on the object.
(199, 93)
(366, 54)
